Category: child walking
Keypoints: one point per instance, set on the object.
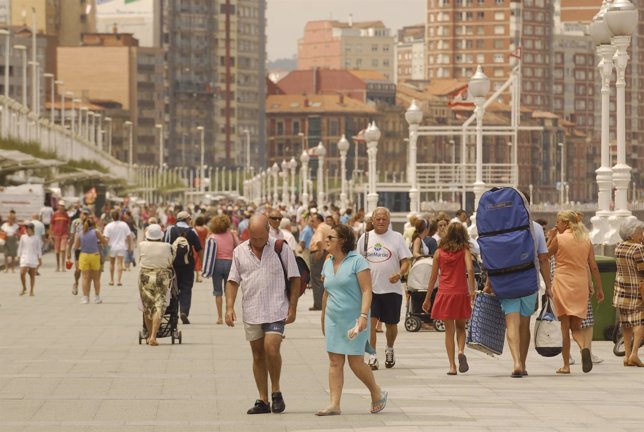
(453, 302)
(30, 253)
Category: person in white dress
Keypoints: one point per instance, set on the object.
(30, 254)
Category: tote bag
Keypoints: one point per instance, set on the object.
(487, 325)
(547, 331)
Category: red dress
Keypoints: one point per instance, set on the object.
(452, 300)
(202, 233)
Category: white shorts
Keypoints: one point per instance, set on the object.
(117, 253)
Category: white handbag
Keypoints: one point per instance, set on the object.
(547, 331)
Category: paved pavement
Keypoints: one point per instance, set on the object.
(70, 367)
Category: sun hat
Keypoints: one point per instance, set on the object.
(183, 215)
(154, 232)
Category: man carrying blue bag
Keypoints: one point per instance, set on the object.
(514, 251)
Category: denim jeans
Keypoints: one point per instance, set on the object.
(220, 276)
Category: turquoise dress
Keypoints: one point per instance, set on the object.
(343, 305)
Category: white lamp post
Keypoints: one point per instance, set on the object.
(7, 61)
(343, 147)
(128, 124)
(478, 88)
(293, 165)
(622, 19)
(414, 116)
(304, 158)
(202, 142)
(285, 195)
(372, 135)
(320, 151)
(274, 170)
(23, 49)
(601, 35)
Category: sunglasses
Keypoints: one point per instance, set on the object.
(275, 218)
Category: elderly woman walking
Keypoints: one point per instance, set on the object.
(154, 279)
(346, 304)
(574, 255)
(628, 297)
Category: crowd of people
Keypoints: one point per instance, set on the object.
(358, 264)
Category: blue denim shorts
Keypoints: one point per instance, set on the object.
(523, 305)
(257, 331)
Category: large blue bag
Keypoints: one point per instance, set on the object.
(486, 332)
(507, 243)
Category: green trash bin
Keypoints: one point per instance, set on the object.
(605, 312)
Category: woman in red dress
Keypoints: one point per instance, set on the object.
(453, 302)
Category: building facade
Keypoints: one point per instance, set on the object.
(347, 45)
(410, 54)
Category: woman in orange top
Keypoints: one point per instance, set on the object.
(574, 255)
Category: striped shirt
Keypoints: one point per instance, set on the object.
(262, 281)
(630, 271)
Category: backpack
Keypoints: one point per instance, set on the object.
(507, 243)
(181, 249)
(305, 273)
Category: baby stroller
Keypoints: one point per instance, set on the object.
(169, 319)
(417, 281)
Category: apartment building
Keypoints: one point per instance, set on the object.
(216, 53)
(463, 33)
(331, 44)
(111, 67)
(410, 54)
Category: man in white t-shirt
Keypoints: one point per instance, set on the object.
(388, 260)
(119, 237)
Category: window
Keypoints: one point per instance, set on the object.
(296, 127)
(374, 48)
(280, 128)
(499, 29)
(334, 129)
(374, 62)
(499, 58)
(499, 16)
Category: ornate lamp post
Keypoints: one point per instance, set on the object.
(320, 151)
(304, 158)
(343, 146)
(478, 87)
(285, 195)
(601, 35)
(372, 135)
(274, 170)
(293, 166)
(622, 19)
(414, 116)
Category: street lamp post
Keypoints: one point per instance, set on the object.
(35, 88)
(320, 151)
(7, 61)
(202, 143)
(304, 158)
(414, 116)
(601, 35)
(130, 160)
(293, 165)
(343, 147)
(622, 19)
(23, 49)
(562, 175)
(285, 195)
(372, 135)
(274, 170)
(478, 87)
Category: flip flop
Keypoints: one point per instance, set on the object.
(524, 373)
(562, 371)
(326, 412)
(462, 363)
(586, 360)
(517, 374)
(451, 373)
(380, 404)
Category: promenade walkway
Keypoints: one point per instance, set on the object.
(70, 367)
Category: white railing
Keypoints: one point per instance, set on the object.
(434, 177)
(19, 123)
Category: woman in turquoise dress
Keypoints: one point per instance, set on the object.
(345, 306)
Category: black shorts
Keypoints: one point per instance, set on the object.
(386, 307)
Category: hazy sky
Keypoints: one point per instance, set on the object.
(286, 18)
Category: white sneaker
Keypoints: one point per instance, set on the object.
(98, 300)
(373, 361)
(572, 361)
(85, 300)
(596, 359)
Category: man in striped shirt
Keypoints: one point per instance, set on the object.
(261, 273)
